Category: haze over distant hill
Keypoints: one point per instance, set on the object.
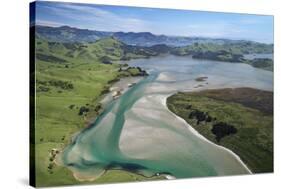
(70, 34)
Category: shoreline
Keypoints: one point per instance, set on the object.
(196, 133)
(104, 99)
(163, 100)
(193, 131)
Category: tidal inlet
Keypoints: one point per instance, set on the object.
(137, 132)
(116, 101)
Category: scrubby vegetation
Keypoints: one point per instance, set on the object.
(238, 47)
(264, 63)
(134, 71)
(45, 86)
(249, 97)
(61, 84)
(222, 129)
(83, 110)
(219, 55)
(240, 119)
(49, 58)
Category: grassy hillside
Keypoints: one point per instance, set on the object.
(239, 119)
(108, 46)
(239, 47)
(228, 52)
(70, 81)
(71, 34)
(108, 50)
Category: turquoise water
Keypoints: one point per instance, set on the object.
(138, 133)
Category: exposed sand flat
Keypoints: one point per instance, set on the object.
(165, 76)
(213, 82)
(159, 133)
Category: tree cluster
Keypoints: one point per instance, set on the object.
(222, 129)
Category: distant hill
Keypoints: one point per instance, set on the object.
(63, 43)
(105, 50)
(70, 34)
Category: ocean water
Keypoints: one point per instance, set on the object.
(138, 133)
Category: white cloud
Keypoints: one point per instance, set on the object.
(49, 23)
(214, 30)
(251, 21)
(100, 18)
(96, 18)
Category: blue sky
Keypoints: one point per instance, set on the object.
(157, 21)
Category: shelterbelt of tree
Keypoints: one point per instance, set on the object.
(240, 119)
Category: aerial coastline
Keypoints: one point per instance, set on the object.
(105, 68)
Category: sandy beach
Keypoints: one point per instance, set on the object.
(151, 139)
(196, 133)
